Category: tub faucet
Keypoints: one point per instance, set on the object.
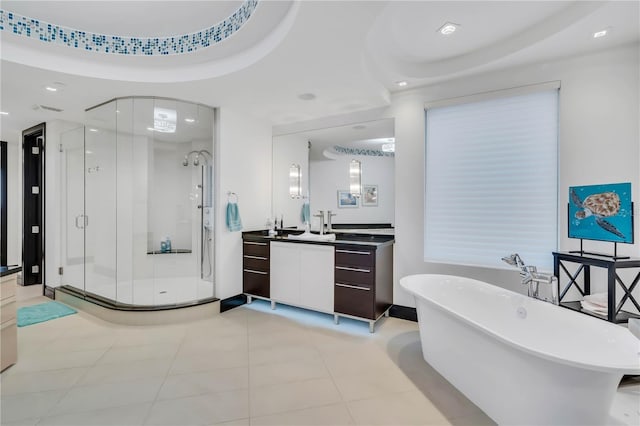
(532, 279)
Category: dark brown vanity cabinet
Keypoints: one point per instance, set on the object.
(363, 280)
(255, 268)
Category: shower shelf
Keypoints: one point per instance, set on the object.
(174, 251)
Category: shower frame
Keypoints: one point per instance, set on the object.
(206, 173)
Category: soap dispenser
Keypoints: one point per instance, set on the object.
(168, 244)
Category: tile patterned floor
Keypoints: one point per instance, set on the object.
(248, 366)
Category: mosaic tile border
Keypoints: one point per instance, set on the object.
(362, 151)
(140, 46)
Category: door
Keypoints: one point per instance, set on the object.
(72, 208)
(33, 144)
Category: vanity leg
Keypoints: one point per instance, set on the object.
(249, 300)
(372, 325)
(336, 319)
(273, 305)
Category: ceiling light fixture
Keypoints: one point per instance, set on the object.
(4, 113)
(151, 129)
(93, 130)
(164, 120)
(401, 83)
(389, 147)
(190, 120)
(448, 28)
(51, 89)
(601, 33)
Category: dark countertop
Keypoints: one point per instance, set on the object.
(341, 238)
(8, 270)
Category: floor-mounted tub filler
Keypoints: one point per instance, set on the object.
(521, 360)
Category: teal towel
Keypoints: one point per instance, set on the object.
(34, 314)
(305, 214)
(233, 218)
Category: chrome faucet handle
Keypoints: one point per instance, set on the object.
(329, 216)
(321, 216)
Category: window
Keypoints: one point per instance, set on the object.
(491, 180)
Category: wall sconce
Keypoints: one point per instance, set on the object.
(295, 177)
(355, 178)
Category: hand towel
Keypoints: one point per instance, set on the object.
(233, 217)
(598, 299)
(305, 214)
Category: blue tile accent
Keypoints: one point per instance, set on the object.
(362, 151)
(172, 45)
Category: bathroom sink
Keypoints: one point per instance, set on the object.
(312, 237)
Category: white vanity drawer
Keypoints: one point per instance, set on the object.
(7, 309)
(9, 344)
(8, 286)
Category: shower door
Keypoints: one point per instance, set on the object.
(72, 208)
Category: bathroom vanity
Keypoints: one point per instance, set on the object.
(349, 277)
(9, 331)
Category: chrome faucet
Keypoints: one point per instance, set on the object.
(532, 279)
(329, 215)
(321, 216)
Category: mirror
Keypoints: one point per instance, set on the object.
(324, 158)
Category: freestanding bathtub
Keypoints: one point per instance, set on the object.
(521, 360)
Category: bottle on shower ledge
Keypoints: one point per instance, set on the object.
(167, 242)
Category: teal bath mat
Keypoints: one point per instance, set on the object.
(34, 314)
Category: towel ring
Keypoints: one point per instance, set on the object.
(230, 196)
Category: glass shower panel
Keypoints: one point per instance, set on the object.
(100, 201)
(143, 292)
(174, 206)
(72, 204)
(126, 199)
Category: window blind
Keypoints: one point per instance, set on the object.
(491, 180)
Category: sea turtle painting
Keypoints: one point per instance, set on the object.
(604, 204)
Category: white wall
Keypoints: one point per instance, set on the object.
(243, 166)
(288, 150)
(14, 203)
(599, 143)
(329, 176)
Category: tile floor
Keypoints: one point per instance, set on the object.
(248, 366)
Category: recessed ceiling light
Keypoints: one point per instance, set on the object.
(307, 96)
(51, 89)
(151, 129)
(601, 33)
(4, 113)
(448, 28)
(401, 83)
(190, 120)
(93, 130)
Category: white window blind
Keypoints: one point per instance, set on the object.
(491, 180)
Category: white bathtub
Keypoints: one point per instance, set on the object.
(521, 360)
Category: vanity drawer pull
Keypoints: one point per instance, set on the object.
(346, 268)
(366, 253)
(251, 271)
(255, 257)
(355, 287)
(255, 244)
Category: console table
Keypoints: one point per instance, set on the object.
(614, 312)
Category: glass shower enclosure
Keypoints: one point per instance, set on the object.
(137, 204)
